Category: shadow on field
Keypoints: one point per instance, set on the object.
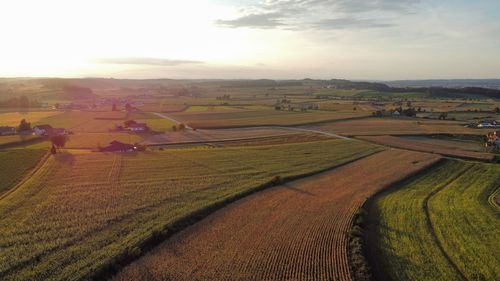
(298, 190)
(65, 158)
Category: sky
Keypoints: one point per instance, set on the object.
(232, 39)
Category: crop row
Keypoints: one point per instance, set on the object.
(438, 226)
(81, 210)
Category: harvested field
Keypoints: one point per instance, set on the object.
(189, 136)
(437, 226)
(397, 126)
(261, 117)
(292, 138)
(82, 211)
(427, 146)
(13, 118)
(94, 140)
(85, 121)
(296, 231)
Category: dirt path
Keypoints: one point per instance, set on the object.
(302, 129)
(432, 229)
(296, 231)
(170, 119)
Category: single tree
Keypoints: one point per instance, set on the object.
(182, 127)
(174, 128)
(24, 126)
(58, 141)
(129, 123)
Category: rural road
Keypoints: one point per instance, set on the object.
(262, 127)
(170, 118)
(312, 131)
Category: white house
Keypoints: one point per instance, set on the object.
(42, 130)
(138, 127)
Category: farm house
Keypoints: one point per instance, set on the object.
(488, 124)
(116, 146)
(493, 139)
(41, 129)
(138, 127)
(7, 130)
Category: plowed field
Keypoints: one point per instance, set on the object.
(296, 231)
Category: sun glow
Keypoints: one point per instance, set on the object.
(54, 37)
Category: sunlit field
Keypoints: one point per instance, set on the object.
(15, 164)
(82, 210)
(438, 226)
(13, 118)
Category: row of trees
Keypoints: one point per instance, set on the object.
(180, 127)
(20, 102)
(223, 97)
(24, 126)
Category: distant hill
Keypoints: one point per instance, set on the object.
(447, 83)
(43, 89)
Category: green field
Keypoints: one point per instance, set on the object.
(438, 226)
(154, 122)
(15, 164)
(483, 106)
(13, 118)
(17, 139)
(81, 210)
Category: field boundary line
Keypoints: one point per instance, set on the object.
(436, 153)
(430, 225)
(366, 205)
(167, 117)
(216, 141)
(327, 121)
(492, 201)
(37, 167)
(107, 271)
(22, 142)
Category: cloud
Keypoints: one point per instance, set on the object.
(345, 23)
(325, 14)
(265, 20)
(363, 6)
(147, 61)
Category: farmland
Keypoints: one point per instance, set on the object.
(264, 182)
(85, 121)
(396, 126)
(16, 163)
(262, 117)
(17, 139)
(94, 140)
(201, 135)
(296, 231)
(439, 147)
(438, 226)
(81, 209)
(13, 118)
